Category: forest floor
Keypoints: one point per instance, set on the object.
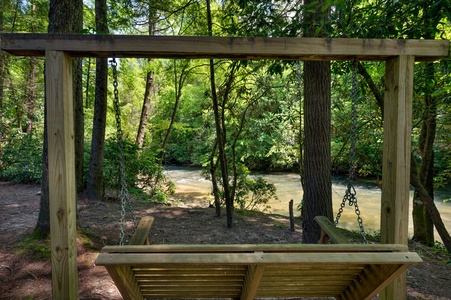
(25, 269)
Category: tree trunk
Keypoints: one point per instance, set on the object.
(220, 134)
(214, 182)
(31, 95)
(88, 83)
(423, 225)
(178, 94)
(79, 116)
(430, 205)
(317, 125)
(300, 133)
(2, 82)
(145, 112)
(95, 187)
(317, 170)
(43, 225)
(61, 18)
(379, 97)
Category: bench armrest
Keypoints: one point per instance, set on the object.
(140, 237)
(329, 232)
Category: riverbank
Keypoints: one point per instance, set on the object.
(25, 271)
(191, 186)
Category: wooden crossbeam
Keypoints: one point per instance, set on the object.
(286, 48)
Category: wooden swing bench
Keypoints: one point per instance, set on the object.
(343, 271)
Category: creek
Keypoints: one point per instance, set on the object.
(193, 189)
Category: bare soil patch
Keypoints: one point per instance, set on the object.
(23, 275)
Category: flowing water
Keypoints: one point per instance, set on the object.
(191, 185)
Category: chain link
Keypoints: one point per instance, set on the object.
(124, 195)
(351, 194)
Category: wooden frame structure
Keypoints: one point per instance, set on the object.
(399, 55)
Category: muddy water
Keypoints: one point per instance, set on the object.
(191, 185)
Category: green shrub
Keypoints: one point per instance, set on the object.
(21, 159)
(143, 172)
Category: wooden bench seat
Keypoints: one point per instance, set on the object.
(239, 271)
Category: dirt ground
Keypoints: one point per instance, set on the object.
(23, 275)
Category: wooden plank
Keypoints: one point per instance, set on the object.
(170, 272)
(191, 288)
(329, 232)
(192, 281)
(126, 282)
(140, 236)
(252, 282)
(62, 196)
(370, 281)
(396, 160)
(249, 248)
(223, 47)
(274, 259)
(192, 295)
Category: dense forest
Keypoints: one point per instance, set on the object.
(134, 116)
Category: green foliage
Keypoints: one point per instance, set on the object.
(439, 248)
(143, 173)
(22, 158)
(254, 194)
(152, 178)
(265, 95)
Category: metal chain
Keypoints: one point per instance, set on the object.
(350, 195)
(124, 195)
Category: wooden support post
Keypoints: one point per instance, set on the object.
(396, 160)
(254, 275)
(60, 126)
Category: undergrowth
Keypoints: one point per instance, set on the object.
(35, 246)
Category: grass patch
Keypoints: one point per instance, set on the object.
(87, 238)
(35, 246)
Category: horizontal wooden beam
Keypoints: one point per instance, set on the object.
(251, 248)
(286, 48)
(309, 260)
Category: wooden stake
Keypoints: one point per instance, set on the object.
(290, 208)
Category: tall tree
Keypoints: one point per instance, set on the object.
(317, 125)
(32, 69)
(2, 79)
(220, 131)
(150, 81)
(95, 186)
(79, 116)
(30, 104)
(61, 20)
(423, 223)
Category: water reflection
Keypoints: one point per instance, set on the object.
(191, 185)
